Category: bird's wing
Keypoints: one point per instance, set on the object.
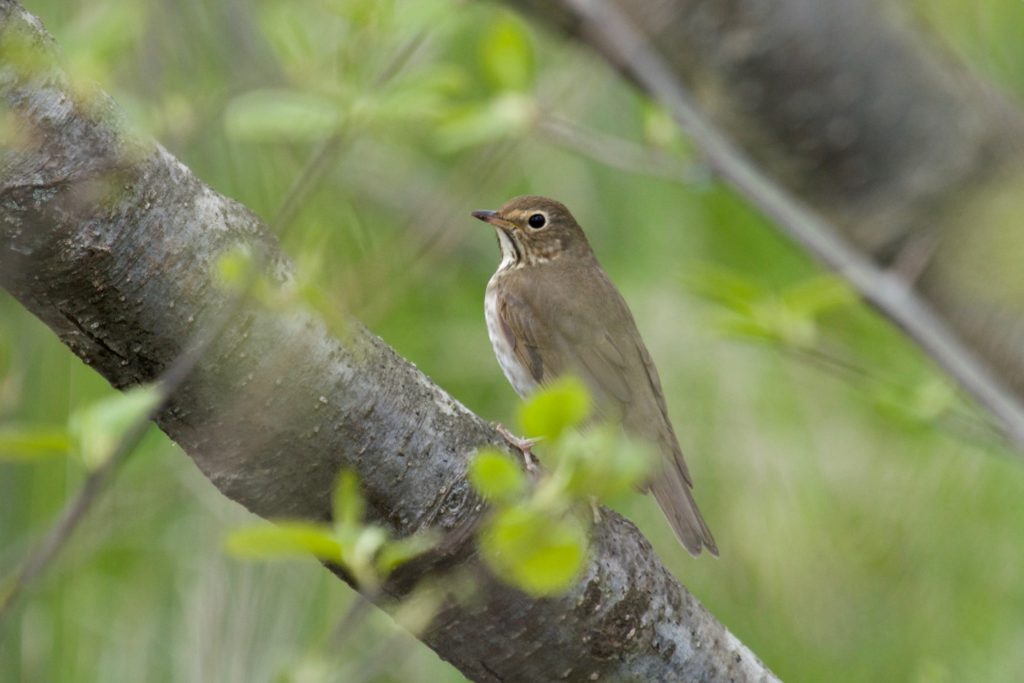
(554, 336)
(667, 434)
(551, 348)
(532, 342)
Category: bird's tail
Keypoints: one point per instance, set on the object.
(674, 497)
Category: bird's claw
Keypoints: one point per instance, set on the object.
(522, 445)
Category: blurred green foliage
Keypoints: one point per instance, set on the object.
(535, 536)
(868, 525)
(787, 317)
(96, 428)
(92, 433)
(536, 552)
(29, 443)
(562, 405)
(364, 550)
(496, 476)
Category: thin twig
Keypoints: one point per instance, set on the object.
(354, 616)
(321, 160)
(959, 420)
(391, 652)
(308, 178)
(98, 480)
(616, 152)
(890, 294)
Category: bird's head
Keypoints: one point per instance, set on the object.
(533, 230)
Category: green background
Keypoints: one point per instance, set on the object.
(870, 526)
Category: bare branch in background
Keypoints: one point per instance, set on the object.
(616, 152)
(112, 243)
(612, 31)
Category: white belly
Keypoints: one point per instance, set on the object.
(516, 373)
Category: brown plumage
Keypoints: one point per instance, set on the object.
(551, 309)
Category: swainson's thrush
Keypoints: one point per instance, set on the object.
(551, 309)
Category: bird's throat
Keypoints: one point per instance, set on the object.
(511, 255)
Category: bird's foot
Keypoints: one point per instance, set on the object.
(524, 446)
(595, 509)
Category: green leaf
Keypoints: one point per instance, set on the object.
(603, 462)
(791, 327)
(915, 403)
(535, 552)
(749, 328)
(660, 129)
(563, 404)
(818, 294)
(787, 317)
(347, 504)
(496, 476)
(368, 542)
(285, 540)
(396, 553)
(509, 115)
(506, 54)
(417, 611)
(416, 95)
(724, 287)
(27, 444)
(96, 428)
(287, 115)
(233, 266)
(933, 398)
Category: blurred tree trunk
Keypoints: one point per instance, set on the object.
(916, 160)
(114, 244)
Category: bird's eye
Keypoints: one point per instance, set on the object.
(537, 221)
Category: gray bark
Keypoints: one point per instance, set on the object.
(870, 122)
(111, 242)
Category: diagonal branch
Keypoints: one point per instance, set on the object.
(112, 242)
(886, 290)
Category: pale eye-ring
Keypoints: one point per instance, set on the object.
(537, 221)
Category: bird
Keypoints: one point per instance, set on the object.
(551, 310)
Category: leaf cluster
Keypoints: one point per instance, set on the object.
(367, 551)
(536, 536)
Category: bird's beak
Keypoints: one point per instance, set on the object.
(494, 218)
(486, 216)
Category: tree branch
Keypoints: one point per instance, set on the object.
(841, 100)
(886, 290)
(112, 242)
(892, 142)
